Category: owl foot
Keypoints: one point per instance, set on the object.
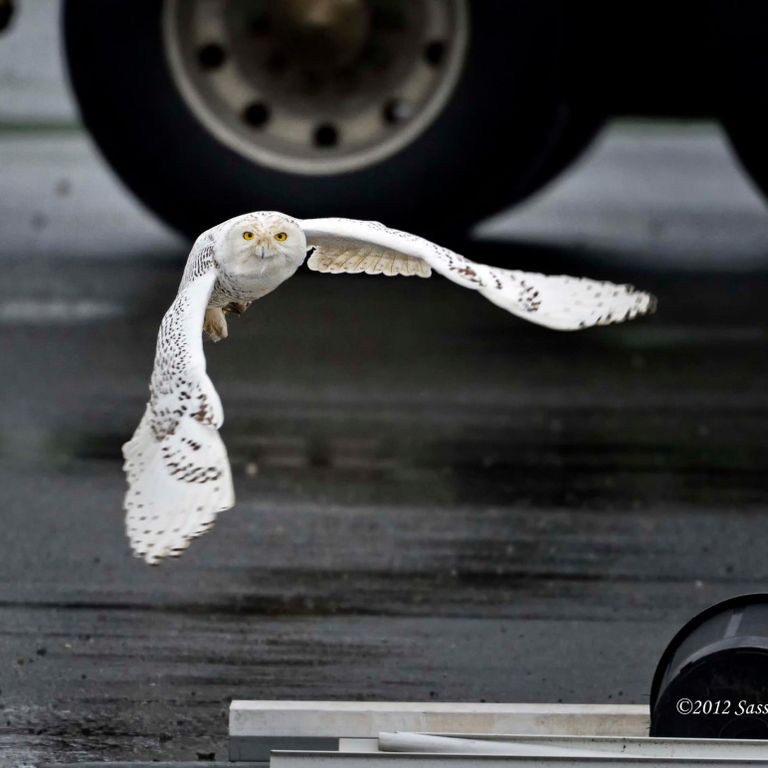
(236, 307)
(215, 324)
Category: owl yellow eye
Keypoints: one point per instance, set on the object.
(248, 235)
(280, 236)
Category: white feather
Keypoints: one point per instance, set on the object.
(165, 511)
(559, 302)
(336, 255)
(176, 464)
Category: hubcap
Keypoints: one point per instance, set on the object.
(316, 86)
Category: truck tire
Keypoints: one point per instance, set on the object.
(206, 114)
(738, 81)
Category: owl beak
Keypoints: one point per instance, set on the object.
(263, 246)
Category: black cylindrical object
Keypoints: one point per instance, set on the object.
(6, 14)
(712, 680)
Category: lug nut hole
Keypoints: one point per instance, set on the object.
(256, 114)
(211, 56)
(434, 53)
(326, 135)
(396, 111)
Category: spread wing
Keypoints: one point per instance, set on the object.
(176, 464)
(559, 301)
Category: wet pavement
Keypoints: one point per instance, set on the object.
(436, 501)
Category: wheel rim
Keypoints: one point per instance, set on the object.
(316, 86)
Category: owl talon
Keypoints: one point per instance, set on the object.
(215, 324)
(236, 307)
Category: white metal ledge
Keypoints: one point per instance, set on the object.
(413, 760)
(367, 719)
(257, 728)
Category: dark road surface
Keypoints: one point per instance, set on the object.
(436, 501)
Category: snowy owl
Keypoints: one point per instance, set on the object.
(176, 464)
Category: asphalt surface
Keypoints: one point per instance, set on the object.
(436, 501)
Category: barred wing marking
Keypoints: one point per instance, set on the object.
(176, 463)
(560, 302)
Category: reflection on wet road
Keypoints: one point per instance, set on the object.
(435, 500)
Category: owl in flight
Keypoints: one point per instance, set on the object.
(176, 464)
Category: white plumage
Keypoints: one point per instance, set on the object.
(176, 463)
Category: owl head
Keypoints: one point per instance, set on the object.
(258, 242)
